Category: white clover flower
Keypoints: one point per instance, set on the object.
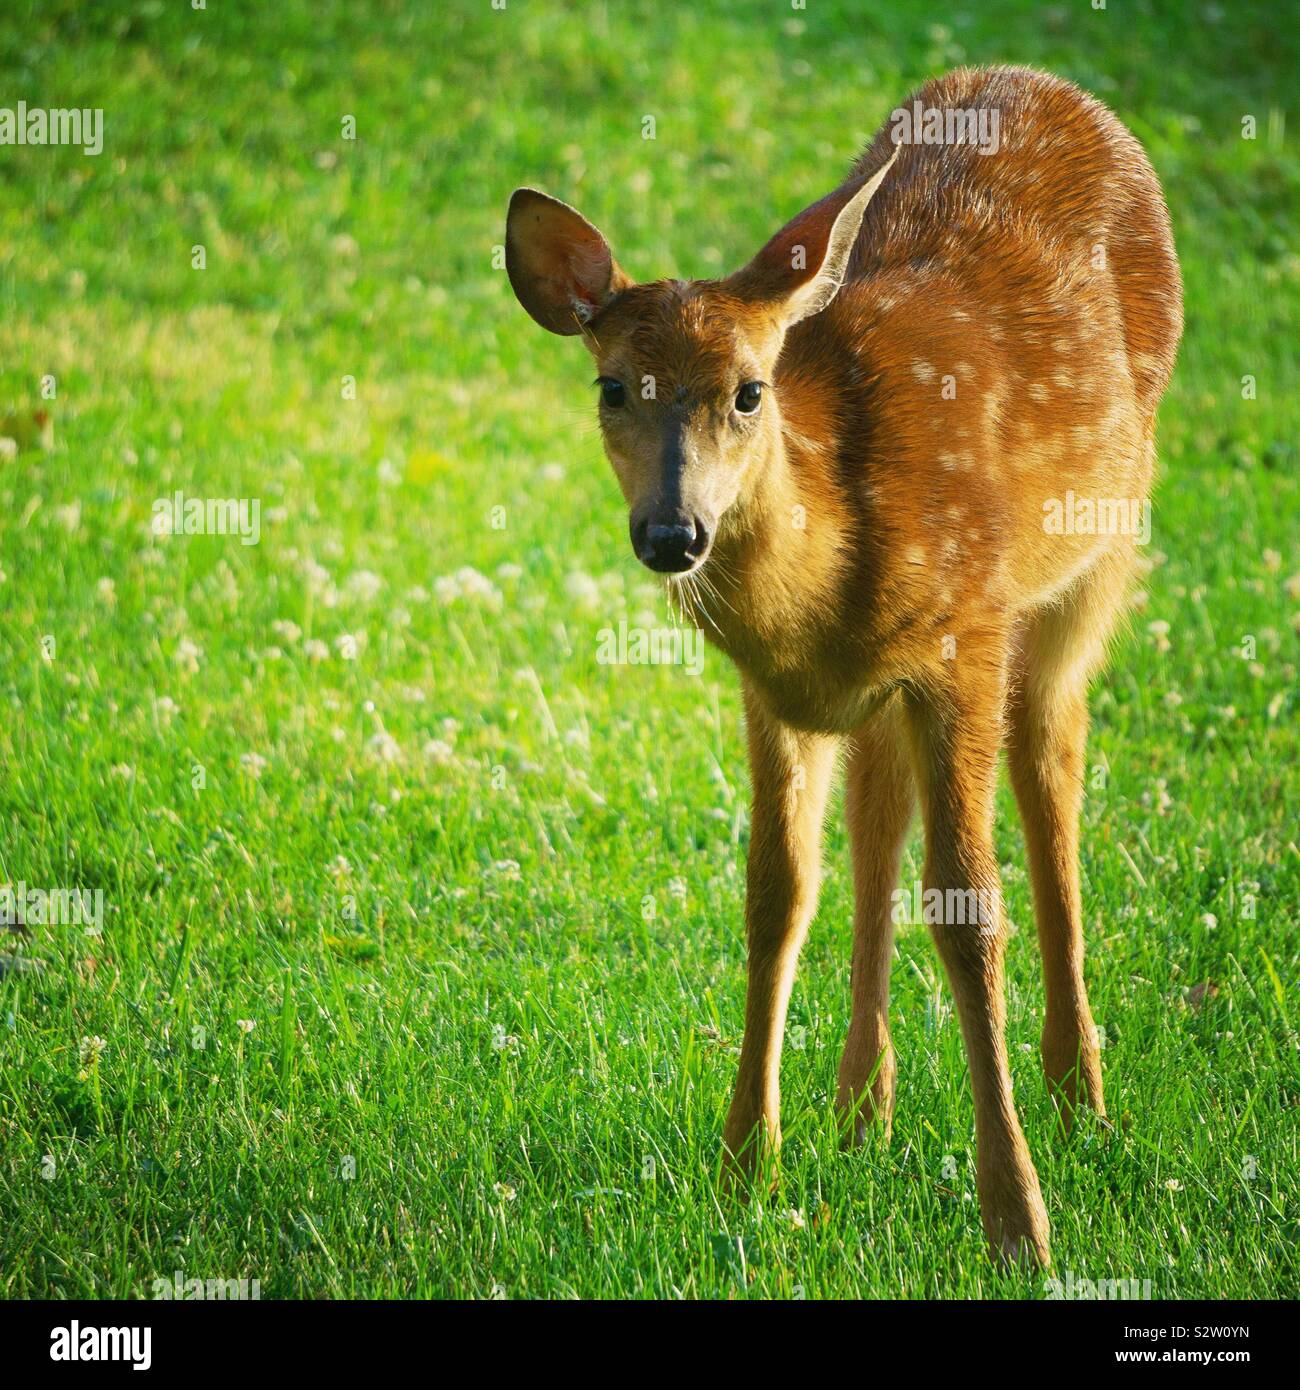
(467, 583)
(476, 586)
(187, 656)
(582, 588)
(315, 650)
(363, 585)
(253, 763)
(385, 748)
(317, 576)
(106, 592)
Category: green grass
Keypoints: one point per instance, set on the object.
(433, 905)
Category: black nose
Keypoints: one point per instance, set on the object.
(670, 545)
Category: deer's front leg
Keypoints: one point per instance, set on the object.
(957, 733)
(791, 773)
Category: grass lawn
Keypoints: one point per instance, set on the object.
(421, 963)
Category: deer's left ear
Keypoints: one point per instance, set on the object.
(560, 266)
(802, 268)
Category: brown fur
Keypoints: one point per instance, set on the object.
(880, 571)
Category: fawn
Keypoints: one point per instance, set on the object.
(845, 458)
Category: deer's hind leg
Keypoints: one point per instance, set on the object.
(1048, 727)
(880, 796)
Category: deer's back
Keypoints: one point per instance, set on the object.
(1067, 189)
(1007, 327)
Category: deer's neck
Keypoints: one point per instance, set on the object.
(781, 556)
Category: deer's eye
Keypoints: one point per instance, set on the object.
(749, 397)
(611, 392)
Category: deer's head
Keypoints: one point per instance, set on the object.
(685, 368)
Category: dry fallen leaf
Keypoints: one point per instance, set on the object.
(1197, 996)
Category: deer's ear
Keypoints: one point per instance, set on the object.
(560, 267)
(802, 268)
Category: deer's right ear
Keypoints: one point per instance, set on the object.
(802, 268)
(560, 267)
